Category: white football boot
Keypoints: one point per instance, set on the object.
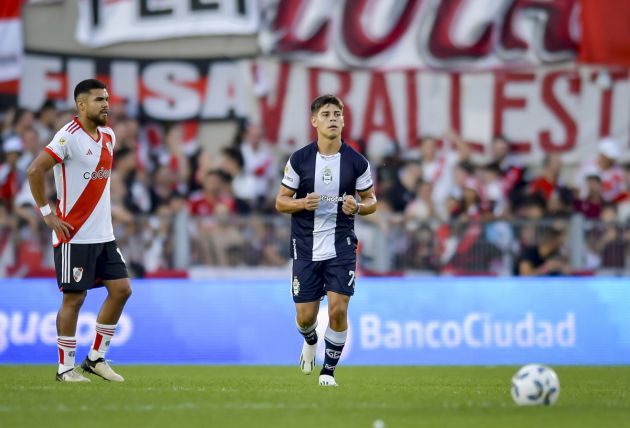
(307, 358)
(327, 380)
(71, 376)
(102, 369)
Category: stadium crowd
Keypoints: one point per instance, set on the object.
(440, 207)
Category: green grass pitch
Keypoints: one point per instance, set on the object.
(246, 396)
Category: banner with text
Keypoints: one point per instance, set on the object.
(542, 110)
(11, 43)
(168, 90)
(105, 22)
(431, 321)
(412, 34)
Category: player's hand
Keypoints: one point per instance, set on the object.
(60, 227)
(350, 205)
(311, 201)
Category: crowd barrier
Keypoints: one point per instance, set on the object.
(401, 321)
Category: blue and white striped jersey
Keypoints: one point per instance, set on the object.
(326, 232)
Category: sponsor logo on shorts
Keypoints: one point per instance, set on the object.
(296, 286)
(77, 274)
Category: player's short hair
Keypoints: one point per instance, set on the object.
(322, 100)
(86, 86)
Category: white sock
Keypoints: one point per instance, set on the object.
(102, 338)
(67, 348)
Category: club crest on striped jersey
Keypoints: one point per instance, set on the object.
(327, 176)
(77, 274)
(62, 141)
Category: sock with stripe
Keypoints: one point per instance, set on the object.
(335, 340)
(67, 347)
(103, 337)
(309, 333)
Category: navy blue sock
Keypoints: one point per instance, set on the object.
(335, 340)
(309, 333)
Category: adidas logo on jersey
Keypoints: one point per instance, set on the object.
(89, 152)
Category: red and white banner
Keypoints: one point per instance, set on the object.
(542, 110)
(413, 34)
(105, 22)
(168, 90)
(11, 45)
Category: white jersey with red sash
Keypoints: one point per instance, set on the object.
(82, 180)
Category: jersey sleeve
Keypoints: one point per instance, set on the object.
(291, 178)
(59, 147)
(110, 132)
(364, 182)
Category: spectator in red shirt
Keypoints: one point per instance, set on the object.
(548, 181)
(215, 197)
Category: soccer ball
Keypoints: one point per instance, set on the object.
(535, 384)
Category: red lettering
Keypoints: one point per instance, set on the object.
(412, 109)
(556, 34)
(440, 44)
(272, 114)
(607, 95)
(378, 96)
(502, 103)
(287, 21)
(359, 43)
(455, 102)
(62, 78)
(554, 105)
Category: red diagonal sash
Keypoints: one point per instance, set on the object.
(85, 205)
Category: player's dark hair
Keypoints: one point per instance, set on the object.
(322, 100)
(86, 86)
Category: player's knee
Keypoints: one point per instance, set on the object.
(121, 293)
(306, 319)
(337, 313)
(73, 301)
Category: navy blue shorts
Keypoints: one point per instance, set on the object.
(312, 280)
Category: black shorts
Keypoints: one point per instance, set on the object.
(81, 267)
(312, 280)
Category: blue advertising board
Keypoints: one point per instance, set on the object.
(404, 321)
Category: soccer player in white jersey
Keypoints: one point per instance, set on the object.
(86, 254)
(319, 187)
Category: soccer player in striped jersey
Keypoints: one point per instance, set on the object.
(319, 187)
(86, 254)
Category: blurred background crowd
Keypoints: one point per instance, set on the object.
(497, 131)
(439, 210)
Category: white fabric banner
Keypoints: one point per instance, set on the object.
(413, 34)
(11, 44)
(103, 22)
(544, 110)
